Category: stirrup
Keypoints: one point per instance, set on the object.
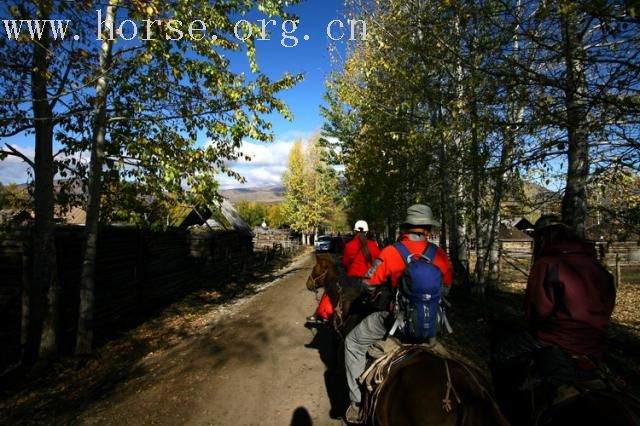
(315, 320)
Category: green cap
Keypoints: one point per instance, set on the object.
(420, 214)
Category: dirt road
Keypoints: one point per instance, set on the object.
(218, 359)
(256, 364)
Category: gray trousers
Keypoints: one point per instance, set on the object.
(370, 330)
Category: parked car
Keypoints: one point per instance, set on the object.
(323, 243)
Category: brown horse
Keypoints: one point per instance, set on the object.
(346, 293)
(413, 391)
(530, 398)
(427, 387)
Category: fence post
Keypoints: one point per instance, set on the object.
(618, 277)
(500, 254)
(25, 299)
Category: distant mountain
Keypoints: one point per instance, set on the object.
(267, 194)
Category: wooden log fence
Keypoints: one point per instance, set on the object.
(137, 272)
(621, 258)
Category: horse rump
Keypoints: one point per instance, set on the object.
(429, 389)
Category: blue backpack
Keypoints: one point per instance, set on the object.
(418, 309)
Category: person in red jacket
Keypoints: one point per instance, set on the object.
(358, 256)
(389, 267)
(360, 252)
(570, 296)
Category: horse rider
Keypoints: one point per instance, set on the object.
(569, 300)
(358, 256)
(360, 252)
(388, 267)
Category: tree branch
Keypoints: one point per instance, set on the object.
(13, 151)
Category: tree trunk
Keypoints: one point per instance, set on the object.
(574, 202)
(44, 253)
(443, 222)
(27, 271)
(498, 193)
(515, 114)
(479, 276)
(84, 341)
(445, 242)
(494, 258)
(457, 230)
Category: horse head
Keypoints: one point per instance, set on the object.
(324, 272)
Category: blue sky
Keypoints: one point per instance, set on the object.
(310, 57)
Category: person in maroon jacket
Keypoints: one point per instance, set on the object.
(569, 300)
(570, 296)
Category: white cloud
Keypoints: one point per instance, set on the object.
(267, 165)
(268, 161)
(14, 169)
(264, 154)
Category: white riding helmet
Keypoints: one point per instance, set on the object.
(361, 226)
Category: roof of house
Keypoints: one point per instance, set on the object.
(511, 233)
(74, 216)
(223, 217)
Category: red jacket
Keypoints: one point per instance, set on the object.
(353, 257)
(573, 314)
(390, 264)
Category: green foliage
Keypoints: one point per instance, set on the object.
(14, 197)
(252, 212)
(164, 95)
(255, 213)
(310, 188)
(132, 203)
(450, 103)
(615, 196)
(276, 217)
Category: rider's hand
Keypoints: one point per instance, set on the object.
(368, 288)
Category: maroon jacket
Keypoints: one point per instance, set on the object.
(569, 299)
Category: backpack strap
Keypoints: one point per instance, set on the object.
(552, 281)
(404, 252)
(429, 252)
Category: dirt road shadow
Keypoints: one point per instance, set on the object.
(331, 353)
(301, 417)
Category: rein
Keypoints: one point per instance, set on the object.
(317, 278)
(446, 402)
